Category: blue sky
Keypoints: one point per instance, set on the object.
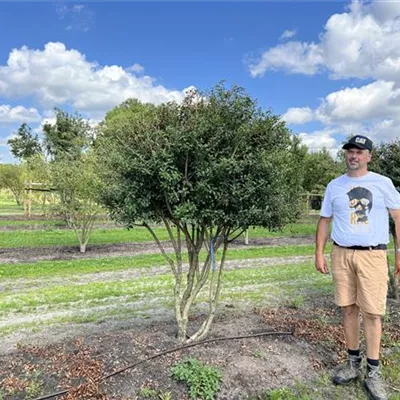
(328, 68)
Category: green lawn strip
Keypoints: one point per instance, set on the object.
(80, 295)
(295, 229)
(277, 279)
(44, 222)
(84, 266)
(66, 237)
(120, 313)
(26, 238)
(13, 209)
(31, 222)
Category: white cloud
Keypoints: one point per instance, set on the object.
(318, 140)
(76, 17)
(379, 99)
(77, 8)
(294, 57)
(57, 76)
(288, 34)
(298, 115)
(9, 115)
(363, 42)
(136, 68)
(372, 110)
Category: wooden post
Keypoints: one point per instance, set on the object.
(30, 199)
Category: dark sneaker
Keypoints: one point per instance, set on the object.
(349, 371)
(374, 383)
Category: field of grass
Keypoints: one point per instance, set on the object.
(65, 237)
(46, 294)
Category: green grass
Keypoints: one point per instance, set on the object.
(276, 281)
(42, 269)
(41, 223)
(53, 237)
(27, 222)
(15, 209)
(93, 292)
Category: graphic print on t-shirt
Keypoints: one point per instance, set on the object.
(360, 201)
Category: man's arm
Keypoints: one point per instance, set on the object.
(321, 238)
(396, 218)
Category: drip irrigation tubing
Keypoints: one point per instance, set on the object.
(173, 350)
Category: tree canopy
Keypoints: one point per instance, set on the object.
(25, 145)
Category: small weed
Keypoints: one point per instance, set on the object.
(280, 394)
(203, 380)
(258, 354)
(165, 396)
(386, 318)
(34, 386)
(295, 302)
(148, 392)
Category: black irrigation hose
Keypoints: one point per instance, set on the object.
(57, 394)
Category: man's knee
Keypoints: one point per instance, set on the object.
(371, 317)
(351, 311)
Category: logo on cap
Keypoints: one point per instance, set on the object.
(360, 140)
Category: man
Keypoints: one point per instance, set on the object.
(358, 203)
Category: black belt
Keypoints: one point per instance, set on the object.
(378, 247)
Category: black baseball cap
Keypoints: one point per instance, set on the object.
(360, 142)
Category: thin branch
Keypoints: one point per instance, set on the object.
(170, 234)
(239, 234)
(169, 259)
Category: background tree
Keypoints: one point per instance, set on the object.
(77, 185)
(67, 142)
(68, 137)
(12, 178)
(386, 161)
(25, 145)
(207, 169)
(319, 169)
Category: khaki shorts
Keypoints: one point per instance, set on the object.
(361, 278)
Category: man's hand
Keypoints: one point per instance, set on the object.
(320, 241)
(321, 264)
(397, 267)
(396, 218)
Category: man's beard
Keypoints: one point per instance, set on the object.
(353, 167)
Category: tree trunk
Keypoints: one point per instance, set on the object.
(215, 288)
(82, 247)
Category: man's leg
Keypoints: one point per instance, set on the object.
(372, 301)
(373, 332)
(351, 326)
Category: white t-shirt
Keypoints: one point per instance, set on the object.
(359, 207)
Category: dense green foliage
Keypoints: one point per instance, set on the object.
(25, 145)
(203, 380)
(319, 169)
(215, 160)
(12, 178)
(68, 137)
